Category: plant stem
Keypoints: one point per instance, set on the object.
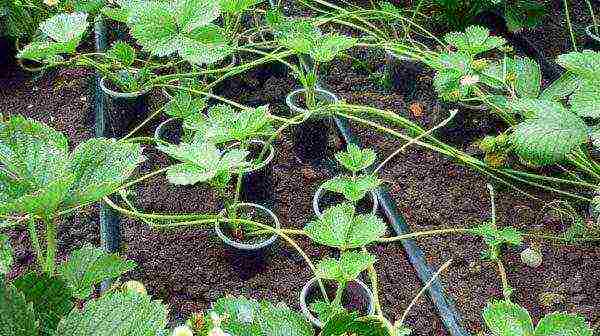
(51, 245)
(570, 25)
(425, 233)
(504, 278)
(35, 241)
(339, 293)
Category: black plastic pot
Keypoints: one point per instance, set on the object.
(123, 111)
(592, 40)
(323, 199)
(471, 123)
(403, 72)
(258, 183)
(311, 137)
(356, 297)
(248, 258)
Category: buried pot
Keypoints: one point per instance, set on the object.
(592, 38)
(368, 204)
(402, 72)
(124, 110)
(471, 123)
(248, 254)
(311, 137)
(257, 180)
(357, 297)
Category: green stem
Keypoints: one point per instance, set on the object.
(51, 245)
(339, 293)
(570, 25)
(35, 241)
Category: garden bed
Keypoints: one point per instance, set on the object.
(190, 268)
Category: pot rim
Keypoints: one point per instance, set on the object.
(479, 107)
(289, 99)
(115, 94)
(319, 192)
(588, 31)
(245, 246)
(314, 320)
(264, 162)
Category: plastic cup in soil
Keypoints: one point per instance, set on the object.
(311, 137)
(248, 258)
(258, 179)
(357, 297)
(329, 198)
(124, 110)
(592, 38)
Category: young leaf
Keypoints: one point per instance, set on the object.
(326, 310)
(355, 159)
(223, 124)
(202, 162)
(340, 227)
(89, 266)
(122, 53)
(505, 318)
(347, 268)
(184, 106)
(353, 189)
(474, 41)
(346, 323)
(16, 314)
(6, 255)
(100, 167)
(116, 314)
(50, 297)
(562, 324)
(330, 46)
(247, 317)
(548, 134)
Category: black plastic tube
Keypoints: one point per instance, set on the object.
(110, 221)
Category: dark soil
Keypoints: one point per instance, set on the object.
(190, 268)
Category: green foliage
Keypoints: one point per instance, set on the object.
(345, 269)
(548, 133)
(236, 7)
(346, 323)
(356, 159)
(223, 124)
(496, 238)
(121, 53)
(519, 73)
(474, 40)
(6, 255)
(40, 175)
(304, 38)
(203, 162)
(585, 64)
(20, 20)
(17, 316)
(342, 228)
(181, 27)
(247, 317)
(186, 107)
(116, 314)
(63, 33)
(50, 297)
(353, 188)
(583, 82)
(505, 318)
(89, 266)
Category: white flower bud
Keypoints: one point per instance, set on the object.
(531, 257)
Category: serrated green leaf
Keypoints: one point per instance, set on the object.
(475, 40)
(86, 6)
(330, 46)
(345, 323)
(101, 166)
(16, 314)
(279, 320)
(548, 134)
(326, 310)
(223, 124)
(117, 314)
(585, 102)
(65, 27)
(562, 324)
(345, 269)
(50, 297)
(340, 227)
(505, 318)
(155, 28)
(6, 255)
(89, 266)
(585, 64)
(235, 7)
(356, 159)
(202, 162)
(192, 14)
(122, 53)
(204, 45)
(184, 106)
(353, 189)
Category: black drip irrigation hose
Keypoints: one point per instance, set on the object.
(110, 221)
